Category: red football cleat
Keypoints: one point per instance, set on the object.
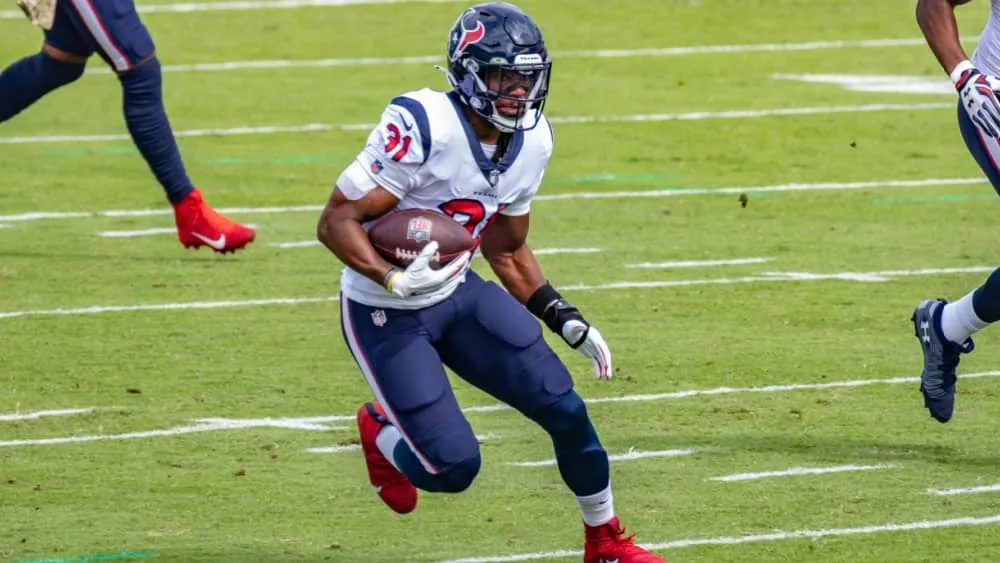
(608, 544)
(200, 225)
(390, 484)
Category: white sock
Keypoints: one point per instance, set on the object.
(386, 440)
(959, 320)
(597, 509)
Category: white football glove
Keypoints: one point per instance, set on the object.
(418, 278)
(978, 97)
(588, 340)
(566, 321)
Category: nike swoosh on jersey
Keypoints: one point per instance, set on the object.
(406, 125)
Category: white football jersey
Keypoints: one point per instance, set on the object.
(425, 153)
(987, 54)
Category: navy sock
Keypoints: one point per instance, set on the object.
(147, 123)
(986, 299)
(27, 80)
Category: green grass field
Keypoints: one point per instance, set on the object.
(190, 391)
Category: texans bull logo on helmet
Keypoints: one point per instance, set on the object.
(468, 36)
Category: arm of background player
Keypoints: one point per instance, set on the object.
(937, 22)
(340, 230)
(503, 246)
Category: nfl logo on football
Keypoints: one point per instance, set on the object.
(419, 229)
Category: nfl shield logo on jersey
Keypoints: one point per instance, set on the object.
(378, 317)
(419, 229)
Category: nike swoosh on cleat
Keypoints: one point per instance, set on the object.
(216, 244)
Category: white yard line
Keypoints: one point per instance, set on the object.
(149, 232)
(138, 233)
(865, 277)
(264, 130)
(750, 538)
(273, 64)
(579, 119)
(167, 307)
(536, 251)
(627, 456)
(296, 244)
(699, 263)
(797, 187)
(821, 186)
(794, 471)
(320, 423)
(869, 277)
(39, 414)
(641, 398)
(335, 449)
(965, 491)
(201, 425)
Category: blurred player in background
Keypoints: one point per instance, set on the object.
(76, 29)
(478, 154)
(945, 329)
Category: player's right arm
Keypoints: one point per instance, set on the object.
(373, 183)
(976, 90)
(340, 230)
(371, 186)
(937, 22)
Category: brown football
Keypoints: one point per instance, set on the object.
(400, 235)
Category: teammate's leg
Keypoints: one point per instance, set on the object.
(945, 329)
(61, 61)
(981, 306)
(416, 425)
(122, 40)
(497, 346)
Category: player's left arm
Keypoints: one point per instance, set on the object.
(504, 245)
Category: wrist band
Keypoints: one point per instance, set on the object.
(956, 73)
(541, 299)
(387, 278)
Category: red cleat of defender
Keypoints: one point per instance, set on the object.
(391, 485)
(609, 544)
(200, 225)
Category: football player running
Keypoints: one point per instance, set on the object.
(945, 329)
(478, 154)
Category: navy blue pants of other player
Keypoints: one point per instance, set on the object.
(113, 30)
(488, 339)
(986, 151)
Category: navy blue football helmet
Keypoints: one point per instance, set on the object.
(496, 50)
